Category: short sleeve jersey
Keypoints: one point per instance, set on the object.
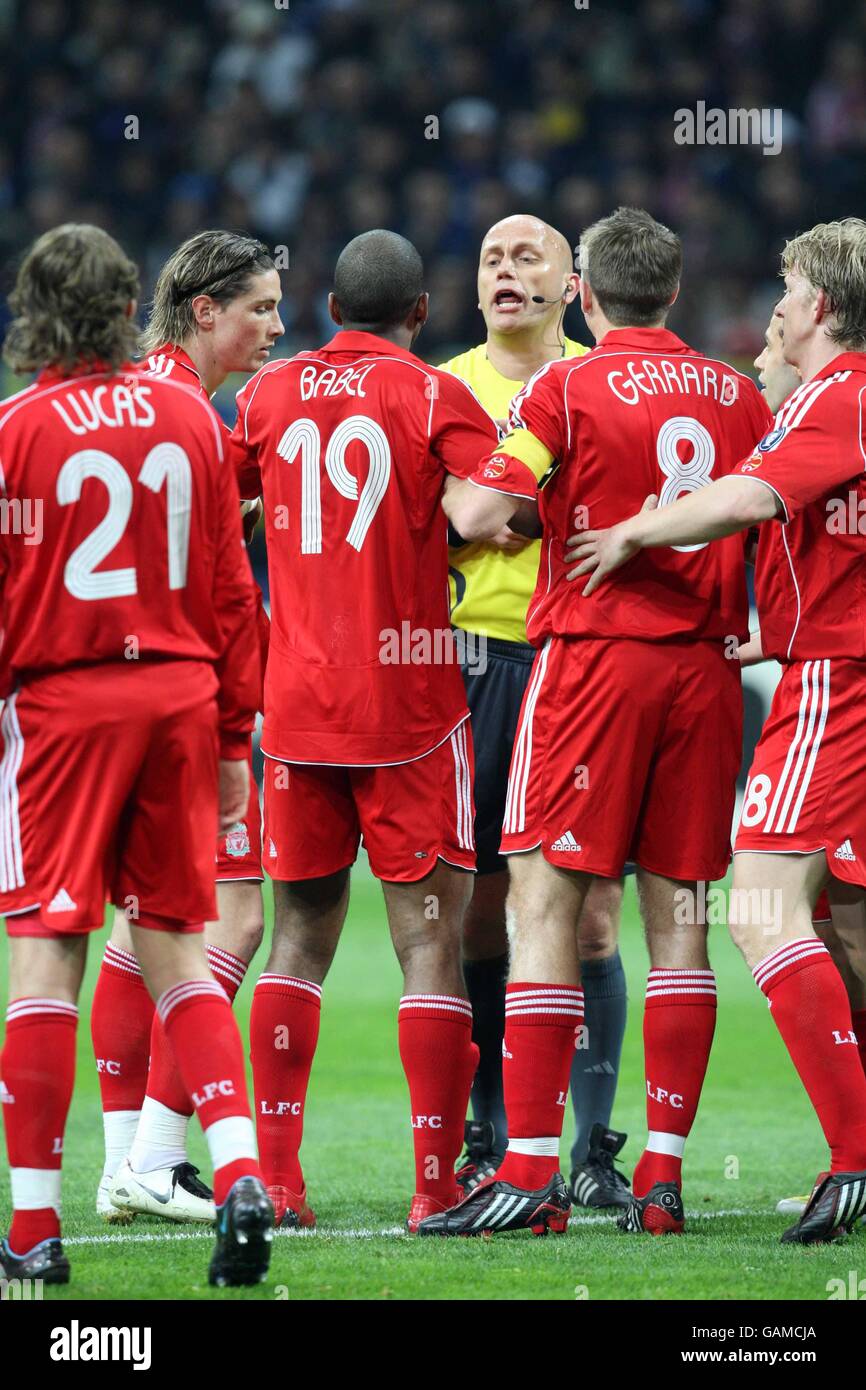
(350, 447)
(642, 413)
(810, 573)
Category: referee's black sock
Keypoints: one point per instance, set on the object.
(595, 1069)
(485, 984)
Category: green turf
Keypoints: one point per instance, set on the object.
(754, 1122)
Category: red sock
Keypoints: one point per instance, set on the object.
(811, 1011)
(164, 1083)
(227, 970)
(541, 1023)
(858, 1019)
(120, 1022)
(38, 1071)
(284, 1030)
(203, 1034)
(678, 1026)
(439, 1059)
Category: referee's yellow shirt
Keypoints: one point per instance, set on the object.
(491, 589)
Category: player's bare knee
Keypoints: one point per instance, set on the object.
(241, 923)
(597, 933)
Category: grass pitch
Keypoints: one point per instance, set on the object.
(755, 1140)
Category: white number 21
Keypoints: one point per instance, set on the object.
(165, 464)
(304, 437)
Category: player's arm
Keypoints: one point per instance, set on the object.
(785, 473)
(751, 653)
(238, 667)
(503, 490)
(723, 508)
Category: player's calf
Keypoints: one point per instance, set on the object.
(121, 1018)
(38, 1070)
(434, 1026)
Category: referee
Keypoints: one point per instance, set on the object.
(526, 280)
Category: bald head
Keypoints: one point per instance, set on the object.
(524, 260)
(525, 227)
(378, 279)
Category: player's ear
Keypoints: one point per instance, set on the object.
(334, 310)
(203, 311)
(132, 309)
(586, 300)
(674, 297)
(422, 309)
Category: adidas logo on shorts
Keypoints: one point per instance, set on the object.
(61, 902)
(567, 842)
(845, 851)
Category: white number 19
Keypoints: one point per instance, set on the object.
(304, 437)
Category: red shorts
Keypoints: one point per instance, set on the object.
(409, 815)
(239, 852)
(807, 783)
(627, 750)
(108, 784)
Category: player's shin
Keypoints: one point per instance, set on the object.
(679, 1023)
(160, 1136)
(858, 1021)
(37, 1068)
(284, 1031)
(439, 1059)
(810, 1008)
(202, 1031)
(542, 1023)
(121, 1017)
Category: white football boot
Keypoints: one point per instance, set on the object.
(106, 1208)
(172, 1193)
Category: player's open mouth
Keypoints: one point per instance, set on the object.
(508, 300)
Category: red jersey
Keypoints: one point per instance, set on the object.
(140, 554)
(170, 360)
(810, 574)
(350, 447)
(642, 413)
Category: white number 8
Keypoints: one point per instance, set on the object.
(755, 803)
(682, 477)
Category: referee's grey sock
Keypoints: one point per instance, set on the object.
(595, 1068)
(485, 985)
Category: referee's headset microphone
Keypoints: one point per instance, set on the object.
(539, 298)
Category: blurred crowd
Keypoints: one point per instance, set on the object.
(309, 121)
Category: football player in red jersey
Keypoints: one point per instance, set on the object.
(131, 675)
(633, 710)
(215, 311)
(366, 729)
(803, 822)
(840, 925)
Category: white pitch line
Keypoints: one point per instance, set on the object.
(157, 1237)
(361, 1233)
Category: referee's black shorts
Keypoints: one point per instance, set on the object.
(496, 680)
